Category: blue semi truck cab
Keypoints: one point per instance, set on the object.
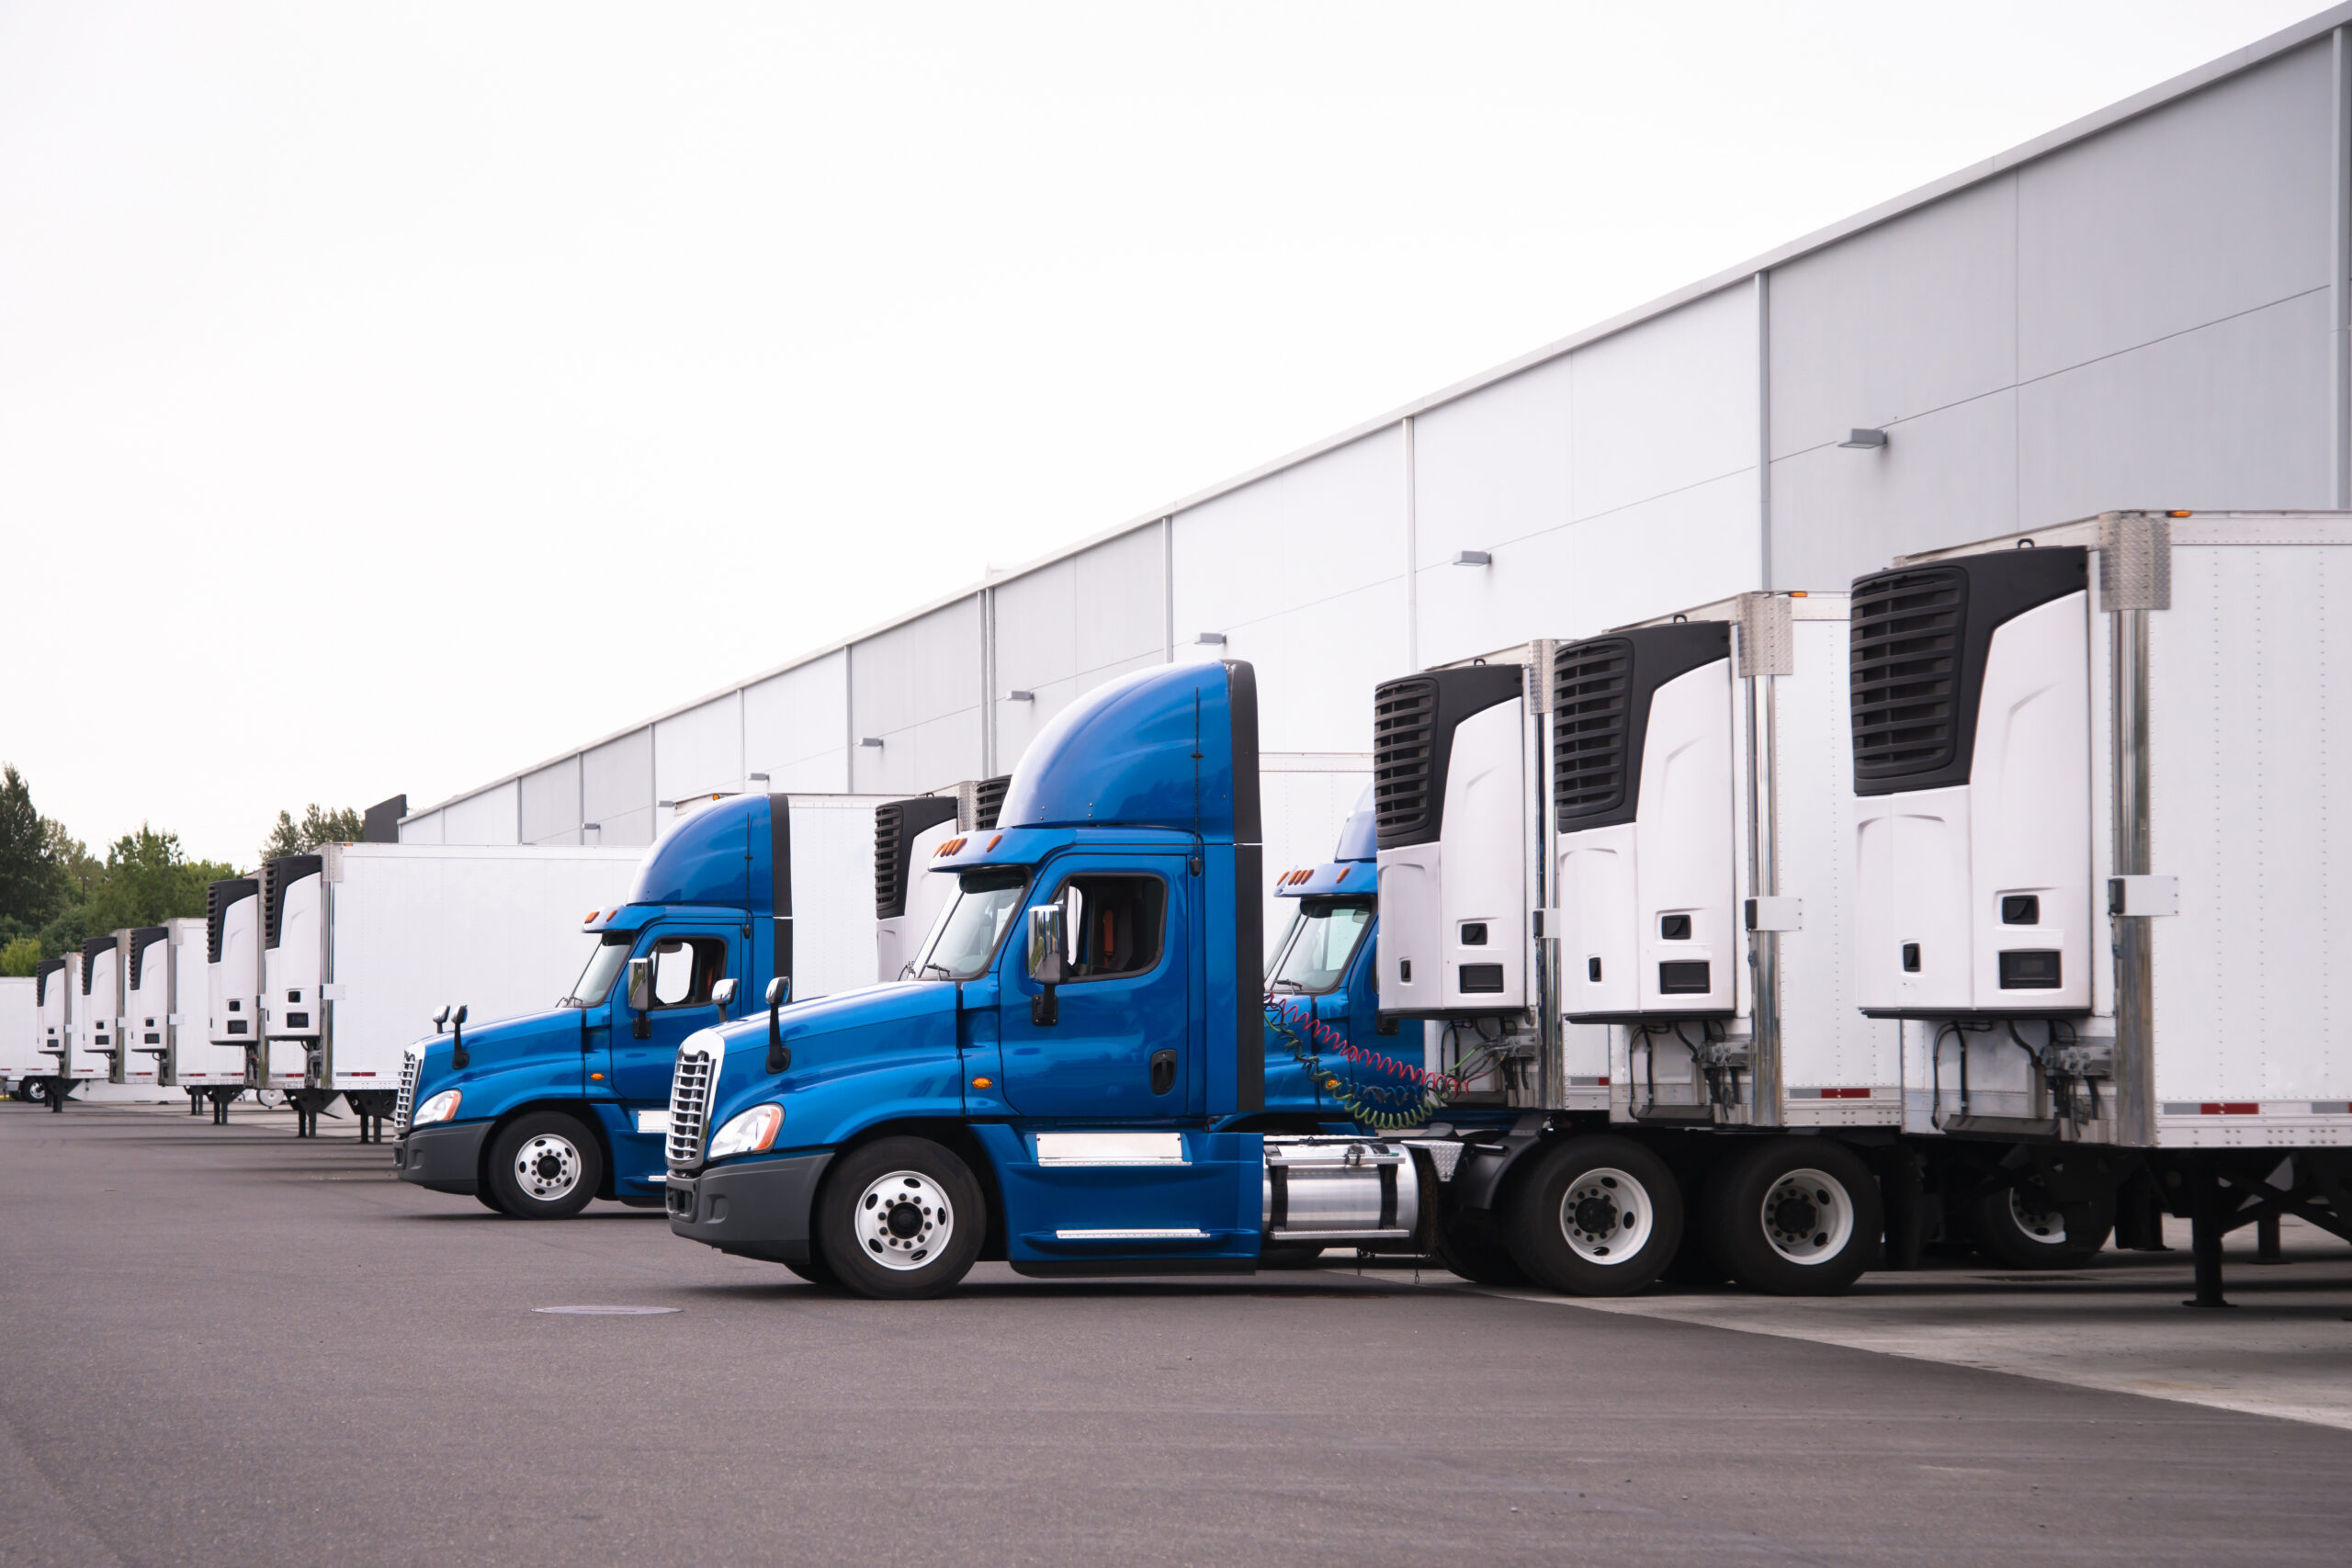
(535, 1115)
(1075, 1079)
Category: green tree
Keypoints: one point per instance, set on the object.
(147, 881)
(32, 883)
(22, 956)
(318, 827)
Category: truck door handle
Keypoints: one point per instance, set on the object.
(1163, 1071)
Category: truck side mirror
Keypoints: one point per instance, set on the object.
(640, 998)
(441, 1019)
(722, 995)
(779, 1054)
(457, 1057)
(1047, 925)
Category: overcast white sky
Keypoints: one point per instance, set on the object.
(393, 396)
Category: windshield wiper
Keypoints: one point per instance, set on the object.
(944, 972)
(1290, 988)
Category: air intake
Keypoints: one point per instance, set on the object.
(988, 799)
(897, 824)
(1591, 710)
(277, 876)
(217, 896)
(1403, 713)
(1908, 634)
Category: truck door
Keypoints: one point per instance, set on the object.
(688, 961)
(1121, 1049)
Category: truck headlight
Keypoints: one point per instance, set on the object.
(440, 1108)
(751, 1133)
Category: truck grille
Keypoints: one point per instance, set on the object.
(1591, 684)
(411, 1061)
(1403, 713)
(691, 1088)
(1905, 670)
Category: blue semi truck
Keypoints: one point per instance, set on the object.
(535, 1115)
(1075, 1082)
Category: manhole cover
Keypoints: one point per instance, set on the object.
(605, 1311)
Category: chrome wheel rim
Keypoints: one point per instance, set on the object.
(2036, 1218)
(546, 1168)
(904, 1220)
(1808, 1216)
(1606, 1216)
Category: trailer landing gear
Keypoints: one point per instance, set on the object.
(222, 1099)
(371, 1106)
(307, 1103)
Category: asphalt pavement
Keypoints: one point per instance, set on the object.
(223, 1345)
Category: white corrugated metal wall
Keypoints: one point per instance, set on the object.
(2148, 308)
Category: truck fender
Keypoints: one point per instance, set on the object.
(1478, 1181)
(579, 1110)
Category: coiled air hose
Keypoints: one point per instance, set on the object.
(1429, 1092)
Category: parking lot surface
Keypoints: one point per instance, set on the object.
(224, 1345)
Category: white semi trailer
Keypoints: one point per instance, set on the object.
(906, 833)
(20, 1058)
(57, 996)
(1810, 926)
(361, 944)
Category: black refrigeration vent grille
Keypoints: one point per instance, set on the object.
(1907, 638)
(218, 898)
(897, 825)
(142, 940)
(277, 876)
(987, 801)
(1592, 703)
(90, 950)
(42, 974)
(1403, 714)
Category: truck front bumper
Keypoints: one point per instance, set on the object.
(760, 1210)
(446, 1159)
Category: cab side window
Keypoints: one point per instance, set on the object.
(1114, 925)
(685, 968)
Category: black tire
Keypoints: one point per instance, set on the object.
(2019, 1228)
(1468, 1248)
(487, 1199)
(36, 1093)
(928, 1190)
(815, 1270)
(1822, 1227)
(565, 1168)
(1598, 1216)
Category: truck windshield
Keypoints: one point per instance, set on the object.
(965, 938)
(605, 961)
(1322, 944)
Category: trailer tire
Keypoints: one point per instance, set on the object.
(1795, 1217)
(1598, 1216)
(2019, 1228)
(901, 1219)
(545, 1166)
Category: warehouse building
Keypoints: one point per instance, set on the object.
(2147, 307)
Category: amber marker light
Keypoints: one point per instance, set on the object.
(984, 1083)
(994, 842)
(595, 1077)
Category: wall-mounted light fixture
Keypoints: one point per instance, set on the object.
(1473, 557)
(873, 740)
(1863, 440)
(758, 778)
(1021, 696)
(1209, 639)
(667, 805)
(596, 828)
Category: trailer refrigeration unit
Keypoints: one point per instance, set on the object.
(535, 1115)
(97, 1013)
(363, 943)
(57, 995)
(906, 833)
(165, 994)
(2096, 877)
(232, 988)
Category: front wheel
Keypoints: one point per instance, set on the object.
(1599, 1216)
(901, 1219)
(815, 1270)
(545, 1166)
(1795, 1217)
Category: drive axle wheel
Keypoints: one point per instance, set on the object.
(2022, 1227)
(901, 1219)
(544, 1167)
(1599, 1216)
(1796, 1216)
